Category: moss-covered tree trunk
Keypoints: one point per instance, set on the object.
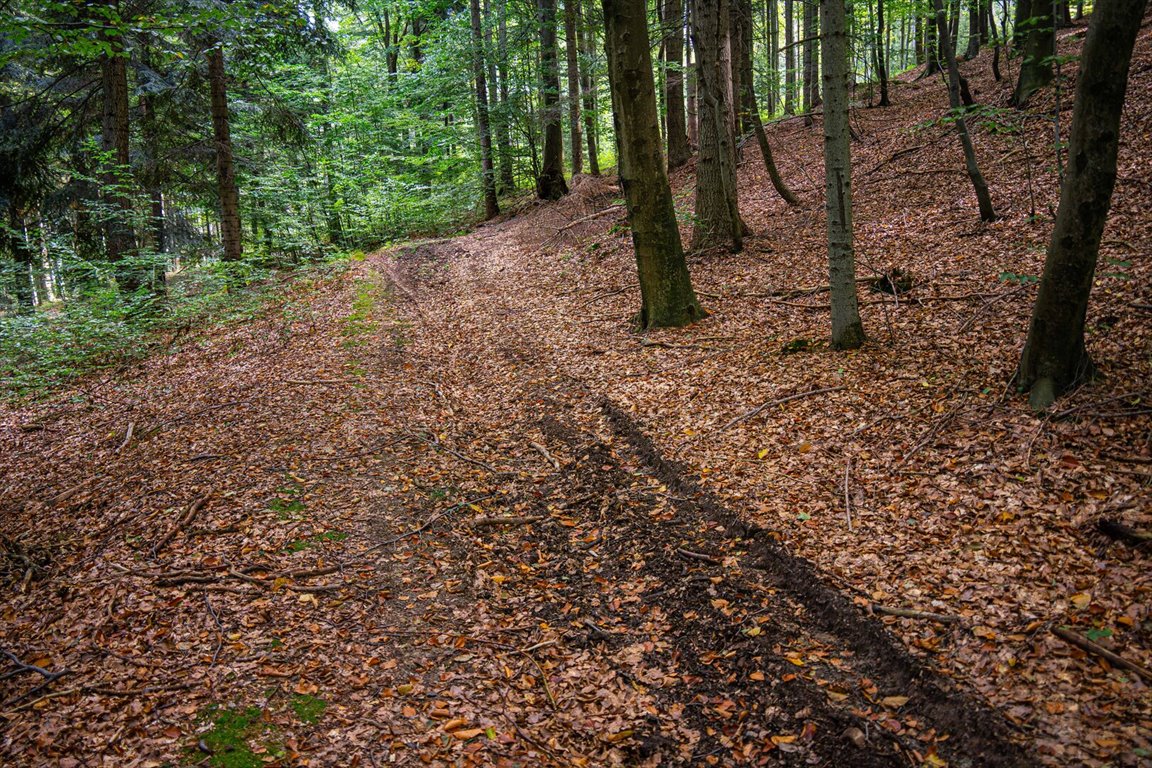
(665, 287)
(1054, 357)
(847, 330)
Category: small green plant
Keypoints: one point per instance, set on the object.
(1015, 279)
(299, 545)
(308, 709)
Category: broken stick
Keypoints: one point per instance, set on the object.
(1088, 646)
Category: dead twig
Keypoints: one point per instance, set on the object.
(908, 613)
(544, 452)
(127, 436)
(304, 382)
(494, 522)
(184, 519)
(778, 401)
(690, 555)
(847, 496)
(1115, 659)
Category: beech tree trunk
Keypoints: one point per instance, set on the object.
(665, 286)
(983, 199)
(679, 152)
(504, 112)
(483, 125)
(230, 231)
(718, 220)
(753, 110)
(550, 183)
(1035, 36)
(1054, 357)
(572, 54)
(847, 329)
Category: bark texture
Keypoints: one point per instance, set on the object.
(1055, 357)
(572, 53)
(668, 298)
(847, 330)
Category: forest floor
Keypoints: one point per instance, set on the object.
(449, 507)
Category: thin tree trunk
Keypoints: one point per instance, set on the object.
(692, 97)
(225, 167)
(975, 14)
(679, 151)
(789, 60)
(983, 199)
(550, 184)
(588, 87)
(881, 54)
(665, 286)
(504, 123)
(811, 55)
(1055, 357)
(483, 126)
(753, 110)
(847, 329)
(572, 53)
(773, 57)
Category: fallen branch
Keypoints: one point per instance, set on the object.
(127, 436)
(847, 496)
(493, 522)
(689, 554)
(319, 381)
(589, 217)
(430, 522)
(185, 518)
(22, 667)
(188, 416)
(779, 401)
(908, 613)
(544, 452)
(1088, 646)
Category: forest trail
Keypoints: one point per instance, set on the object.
(447, 506)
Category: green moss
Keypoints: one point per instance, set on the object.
(308, 709)
(229, 741)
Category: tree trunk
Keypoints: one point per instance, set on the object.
(119, 235)
(931, 44)
(881, 54)
(504, 113)
(225, 167)
(718, 220)
(692, 96)
(753, 110)
(975, 14)
(679, 152)
(847, 329)
(773, 103)
(789, 60)
(739, 48)
(811, 57)
(665, 286)
(550, 183)
(483, 126)
(983, 199)
(573, 60)
(1055, 357)
(1036, 38)
(588, 88)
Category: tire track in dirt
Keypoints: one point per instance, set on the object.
(757, 656)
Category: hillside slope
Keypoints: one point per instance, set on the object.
(449, 507)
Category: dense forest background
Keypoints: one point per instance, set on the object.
(155, 150)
